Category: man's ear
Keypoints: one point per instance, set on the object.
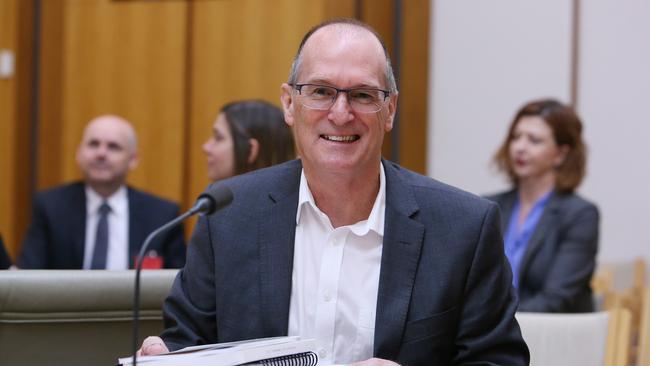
(255, 149)
(77, 156)
(392, 109)
(134, 160)
(287, 103)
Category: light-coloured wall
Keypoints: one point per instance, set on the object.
(488, 58)
(613, 99)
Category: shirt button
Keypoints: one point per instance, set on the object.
(327, 296)
(322, 353)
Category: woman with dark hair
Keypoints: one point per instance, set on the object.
(550, 233)
(247, 135)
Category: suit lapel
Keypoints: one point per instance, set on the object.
(400, 256)
(276, 240)
(78, 219)
(506, 205)
(545, 224)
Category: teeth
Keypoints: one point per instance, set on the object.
(341, 138)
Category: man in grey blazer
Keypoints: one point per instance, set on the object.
(380, 265)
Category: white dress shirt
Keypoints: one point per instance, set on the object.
(117, 257)
(335, 279)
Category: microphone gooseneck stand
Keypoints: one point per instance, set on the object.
(138, 269)
(214, 198)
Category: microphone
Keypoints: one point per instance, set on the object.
(213, 199)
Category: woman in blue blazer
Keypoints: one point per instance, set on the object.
(550, 233)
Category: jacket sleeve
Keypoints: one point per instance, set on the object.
(488, 333)
(34, 252)
(190, 309)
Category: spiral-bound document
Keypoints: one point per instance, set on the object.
(276, 351)
(296, 359)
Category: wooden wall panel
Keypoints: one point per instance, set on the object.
(414, 76)
(168, 66)
(243, 49)
(15, 35)
(413, 71)
(125, 58)
(8, 24)
(24, 117)
(50, 99)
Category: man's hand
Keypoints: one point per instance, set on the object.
(152, 346)
(374, 362)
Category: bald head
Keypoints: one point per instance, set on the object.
(341, 30)
(107, 152)
(115, 124)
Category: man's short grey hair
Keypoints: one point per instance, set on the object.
(391, 84)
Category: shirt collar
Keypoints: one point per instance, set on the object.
(375, 221)
(540, 203)
(117, 201)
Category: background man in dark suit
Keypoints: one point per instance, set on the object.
(377, 263)
(101, 223)
(5, 261)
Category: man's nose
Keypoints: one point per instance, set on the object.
(101, 151)
(341, 111)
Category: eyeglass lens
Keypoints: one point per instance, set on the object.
(323, 97)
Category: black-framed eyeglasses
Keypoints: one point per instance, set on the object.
(323, 97)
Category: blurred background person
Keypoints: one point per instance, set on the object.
(5, 260)
(101, 223)
(247, 135)
(550, 233)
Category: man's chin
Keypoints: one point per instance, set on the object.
(341, 165)
(103, 181)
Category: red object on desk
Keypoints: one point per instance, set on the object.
(152, 261)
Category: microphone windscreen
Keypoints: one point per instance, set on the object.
(219, 196)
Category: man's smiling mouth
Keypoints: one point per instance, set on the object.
(347, 138)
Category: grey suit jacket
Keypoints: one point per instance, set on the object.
(559, 261)
(444, 297)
